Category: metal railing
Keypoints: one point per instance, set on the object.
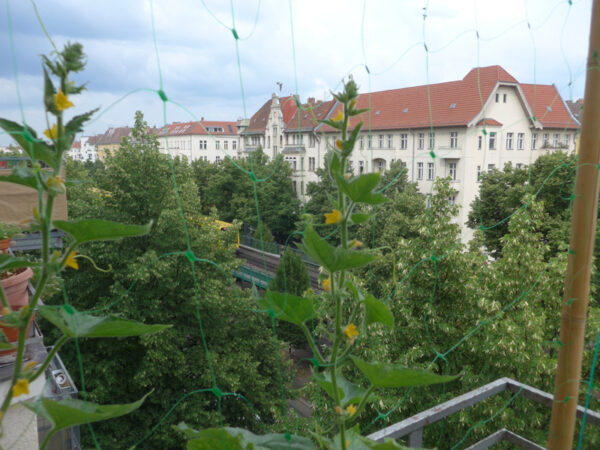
(413, 426)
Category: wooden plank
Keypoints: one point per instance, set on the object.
(520, 441)
(441, 411)
(487, 442)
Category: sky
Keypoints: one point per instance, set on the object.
(308, 46)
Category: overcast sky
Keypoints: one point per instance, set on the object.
(198, 59)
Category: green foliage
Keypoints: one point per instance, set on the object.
(263, 233)
(8, 230)
(223, 186)
(136, 187)
(291, 275)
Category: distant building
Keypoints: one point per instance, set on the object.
(458, 129)
(84, 149)
(110, 141)
(208, 140)
(576, 108)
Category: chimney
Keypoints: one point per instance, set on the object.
(311, 101)
(201, 119)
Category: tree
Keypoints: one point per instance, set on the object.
(215, 340)
(231, 191)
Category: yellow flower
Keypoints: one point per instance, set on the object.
(6, 311)
(327, 284)
(338, 144)
(56, 181)
(30, 365)
(62, 101)
(71, 261)
(355, 243)
(351, 332)
(351, 409)
(338, 409)
(339, 116)
(352, 103)
(21, 387)
(52, 133)
(333, 217)
(347, 175)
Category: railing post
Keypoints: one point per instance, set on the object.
(415, 439)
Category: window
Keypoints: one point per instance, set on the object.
(519, 166)
(268, 141)
(202, 145)
(403, 141)
(380, 165)
(294, 185)
(534, 141)
(556, 140)
(504, 98)
(381, 136)
(520, 139)
(421, 144)
(546, 142)
(452, 200)
(361, 142)
(233, 145)
(218, 145)
(370, 143)
(361, 167)
(478, 174)
(430, 171)
(431, 140)
(390, 140)
(311, 164)
(509, 141)
(491, 167)
(497, 98)
(302, 187)
(311, 140)
(479, 142)
(225, 145)
(567, 138)
(453, 139)
(218, 158)
(419, 171)
(493, 140)
(452, 171)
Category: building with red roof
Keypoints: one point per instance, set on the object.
(457, 129)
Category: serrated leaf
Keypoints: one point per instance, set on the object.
(35, 148)
(49, 92)
(349, 393)
(333, 258)
(386, 375)
(360, 188)
(288, 307)
(8, 262)
(71, 412)
(378, 312)
(28, 181)
(359, 218)
(75, 125)
(387, 444)
(238, 438)
(76, 324)
(100, 230)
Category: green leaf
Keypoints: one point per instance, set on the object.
(76, 324)
(333, 258)
(377, 311)
(27, 139)
(100, 230)
(237, 438)
(8, 262)
(360, 218)
(385, 375)
(28, 181)
(387, 444)
(353, 439)
(360, 189)
(349, 392)
(49, 92)
(70, 412)
(288, 307)
(75, 125)
(4, 344)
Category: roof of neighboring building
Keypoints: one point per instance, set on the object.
(206, 127)
(76, 144)
(548, 106)
(307, 118)
(93, 140)
(453, 103)
(258, 122)
(576, 108)
(113, 136)
(489, 122)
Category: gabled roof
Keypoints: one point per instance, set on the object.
(93, 140)
(548, 106)
(113, 136)
(213, 128)
(307, 117)
(453, 103)
(489, 123)
(258, 122)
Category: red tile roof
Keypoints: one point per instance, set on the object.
(453, 103)
(76, 144)
(489, 122)
(113, 136)
(204, 127)
(258, 122)
(548, 106)
(306, 119)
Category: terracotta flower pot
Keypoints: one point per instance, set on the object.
(4, 244)
(15, 288)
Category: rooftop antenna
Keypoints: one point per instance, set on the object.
(280, 85)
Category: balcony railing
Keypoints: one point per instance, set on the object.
(413, 426)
